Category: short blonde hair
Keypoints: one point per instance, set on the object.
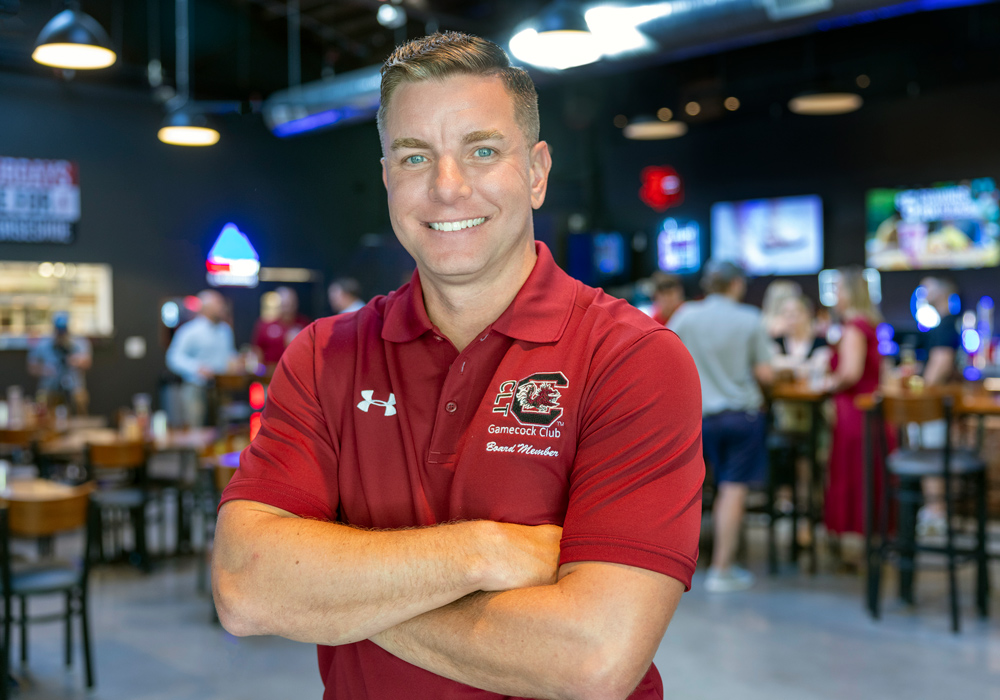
(439, 56)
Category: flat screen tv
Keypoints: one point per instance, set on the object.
(678, 246)
(952, 225)
(777, 236)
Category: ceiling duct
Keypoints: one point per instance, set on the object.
(687, 28)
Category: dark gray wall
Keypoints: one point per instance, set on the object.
(152, 211)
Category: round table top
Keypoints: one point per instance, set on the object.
(38, 490)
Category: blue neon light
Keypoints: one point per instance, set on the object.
(970, 340)
(972, 374)
(319, 120)
(884, 332)
(232, 244)
(986, 303)
(906, 8)
(954, 304)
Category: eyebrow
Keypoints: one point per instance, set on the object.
(482, 135)
(409, 143)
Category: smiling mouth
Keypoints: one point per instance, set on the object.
(456, 225)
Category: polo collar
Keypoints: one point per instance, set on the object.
(538, 314)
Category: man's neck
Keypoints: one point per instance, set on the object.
(462, 310)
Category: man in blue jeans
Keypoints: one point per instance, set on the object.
(732, 351)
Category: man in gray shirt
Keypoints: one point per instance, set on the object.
(732, 352)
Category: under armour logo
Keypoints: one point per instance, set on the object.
(389, 406)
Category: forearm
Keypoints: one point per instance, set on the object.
(328, 583)
(569, 640)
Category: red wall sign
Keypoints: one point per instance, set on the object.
(661, 187)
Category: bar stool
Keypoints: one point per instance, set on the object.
(961, 469)
(123, 489)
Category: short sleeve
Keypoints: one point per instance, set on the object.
(292, 462)
(635, 485)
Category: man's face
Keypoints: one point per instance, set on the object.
(461, 178)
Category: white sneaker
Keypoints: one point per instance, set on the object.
(735, 578)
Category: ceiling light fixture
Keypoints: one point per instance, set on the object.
(75, 41)
(185, 125)
(558, 39)
(184, 128)
(825, 103)
(645, 128)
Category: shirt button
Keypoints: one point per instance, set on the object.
(451, 407)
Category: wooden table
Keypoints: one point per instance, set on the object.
(188, 443)
(72, 443)
(36, 490)
(800, 391)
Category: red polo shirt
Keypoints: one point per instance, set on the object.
(573, 408)
(272, 337)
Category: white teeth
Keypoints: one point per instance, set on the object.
(456, 225)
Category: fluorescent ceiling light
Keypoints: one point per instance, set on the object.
(825, 103)
(616, 27)
(555, 50)
(652, 130)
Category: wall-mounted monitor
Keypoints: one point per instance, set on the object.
(678, 246)
(951, 225)
(777, 236)
(599, 258)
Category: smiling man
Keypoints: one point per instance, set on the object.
(486, 484)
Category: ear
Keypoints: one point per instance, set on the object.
(541, 164)
(385, 181)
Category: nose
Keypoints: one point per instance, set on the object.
(450, 183)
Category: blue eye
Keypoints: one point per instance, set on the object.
(416, 159)
(484, 152)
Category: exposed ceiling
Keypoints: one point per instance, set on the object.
(240, 47)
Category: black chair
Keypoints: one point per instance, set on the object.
(123, 492)
(42, 520)
(903, 470)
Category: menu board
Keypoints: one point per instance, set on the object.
(39, 200)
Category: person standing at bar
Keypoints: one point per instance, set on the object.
(855, 370)
(59, 362)
(200, 349)
(271, 337)
(486, 484)
(942, 343)
(732, 351)
(345, 295)
(668, 295)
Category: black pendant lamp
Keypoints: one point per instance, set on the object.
(75, 41)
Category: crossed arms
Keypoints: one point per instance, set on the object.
(482, 603)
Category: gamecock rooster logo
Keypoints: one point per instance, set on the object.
(536, 400)
(538, 397)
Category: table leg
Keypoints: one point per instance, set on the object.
(813, 484)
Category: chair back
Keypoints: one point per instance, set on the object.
(18, 437)
(902, 409)
(50, 515)
(232, 382)
(116, 455)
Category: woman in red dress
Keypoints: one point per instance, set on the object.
(855, 370)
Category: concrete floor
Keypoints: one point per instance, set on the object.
(793, 636)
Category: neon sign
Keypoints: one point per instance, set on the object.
(662, 187)
(232, 262)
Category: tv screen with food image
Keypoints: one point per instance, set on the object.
(951, 225)
(778, 236)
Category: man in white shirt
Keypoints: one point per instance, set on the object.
(201, 348)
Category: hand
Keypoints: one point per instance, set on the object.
(205, 372)
(523, 556)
